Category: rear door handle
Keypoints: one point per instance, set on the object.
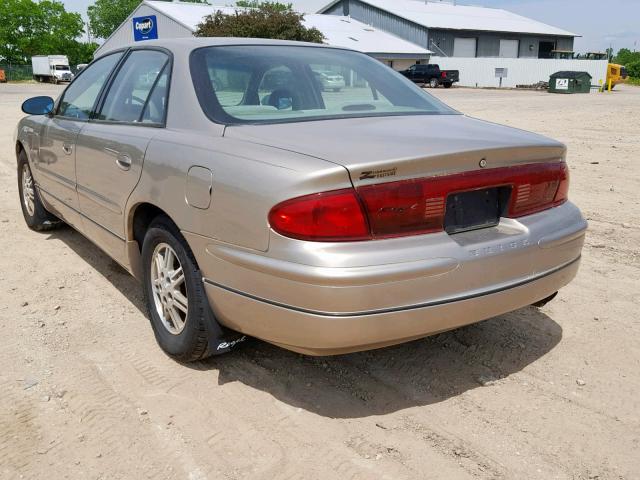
(67, 148)
(123, 161)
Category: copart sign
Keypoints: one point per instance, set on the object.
(145, 28)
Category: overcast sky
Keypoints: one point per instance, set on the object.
(600, 22)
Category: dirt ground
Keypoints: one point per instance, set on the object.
(85, 393)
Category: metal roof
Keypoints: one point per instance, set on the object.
(462, 17)
(349, 33)
(188, 14)
(339, 31)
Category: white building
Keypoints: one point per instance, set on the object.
(157, 19)
(482, 43)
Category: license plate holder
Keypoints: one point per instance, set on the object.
(475, 209)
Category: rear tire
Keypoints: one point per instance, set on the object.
(433, 83)
(35, 215)
(447, 85)
(174, 294)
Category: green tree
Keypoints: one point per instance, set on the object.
(79, 52)
(107, 15)
(30, 28)
(260, 20)
(283, 7)
(633, 69)
(626, 56)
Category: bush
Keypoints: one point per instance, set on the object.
(265, 20)
(633, 69)
(626, 57)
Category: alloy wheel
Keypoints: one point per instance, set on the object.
(28, 192)
(169, 289)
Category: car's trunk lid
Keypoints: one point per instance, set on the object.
(380, 149)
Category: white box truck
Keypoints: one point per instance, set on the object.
(51, 68)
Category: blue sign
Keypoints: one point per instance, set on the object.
(145, 28)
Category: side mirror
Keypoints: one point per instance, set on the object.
(38, 105)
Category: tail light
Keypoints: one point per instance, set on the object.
(413, 207)
(443, 74)
(328, 217)
(536, 189)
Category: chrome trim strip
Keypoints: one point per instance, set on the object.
(64, 181)
(101, 200)
(396, 309)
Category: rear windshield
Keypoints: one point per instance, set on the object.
(271, 84)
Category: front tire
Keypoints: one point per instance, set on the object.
(177, 306)
(35, 215)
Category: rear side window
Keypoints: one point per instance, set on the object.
(156, 107)
(80, 97)
(138, 93)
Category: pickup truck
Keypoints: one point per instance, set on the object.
(431, 75)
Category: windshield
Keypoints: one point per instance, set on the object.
(62, 67)
(270, 84)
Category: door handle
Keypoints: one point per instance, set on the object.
(67, 148)
(123, 161)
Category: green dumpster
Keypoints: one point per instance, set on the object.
(570, 82)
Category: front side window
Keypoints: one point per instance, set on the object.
(130, 97)
(80, 97)
(267, 84)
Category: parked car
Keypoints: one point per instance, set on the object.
(330, 80)
(324, 227)
(431, 75)
(51, 68)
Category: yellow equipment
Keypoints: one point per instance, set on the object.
(615, 74)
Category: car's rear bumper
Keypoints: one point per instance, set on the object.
(326, 333)
(332, 298)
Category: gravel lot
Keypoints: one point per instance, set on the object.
(552, 393)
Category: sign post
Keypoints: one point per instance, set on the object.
(502, 73)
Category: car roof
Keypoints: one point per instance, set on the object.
(187, 44)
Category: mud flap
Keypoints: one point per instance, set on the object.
(221, 340)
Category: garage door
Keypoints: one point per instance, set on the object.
(464, 47)
(509, 48)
